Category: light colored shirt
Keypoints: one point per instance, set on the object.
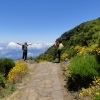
(61, 46)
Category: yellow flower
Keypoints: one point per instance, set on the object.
(17, 72)
(97, 93)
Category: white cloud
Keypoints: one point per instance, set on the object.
(40, 45)
(1, 48)
(37, 45)
(13, 45)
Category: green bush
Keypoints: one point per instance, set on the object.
(8, 64)
(9, 89)
(70, 53)
(83, 69)
(2, 68)
(2, 80)
(97, 96)
(5, 65)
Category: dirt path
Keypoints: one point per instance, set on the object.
(46, 83)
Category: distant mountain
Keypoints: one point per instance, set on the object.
(85, 34)
(14, 51)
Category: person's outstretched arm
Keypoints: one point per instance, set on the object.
(19, 44)
(29, 44)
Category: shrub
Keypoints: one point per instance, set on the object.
(2, 67)
(83, 69)
(8, 64)
(2, 80)
(97, 96)
(5, 65)
(70, 52)
(93, 91)
(17, 73)
(5, 92)
(63, 56)
(2, 84)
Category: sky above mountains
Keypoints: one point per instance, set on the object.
(43, 20)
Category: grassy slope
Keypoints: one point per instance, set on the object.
(85, 34)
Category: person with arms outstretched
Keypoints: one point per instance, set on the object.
(24, 48)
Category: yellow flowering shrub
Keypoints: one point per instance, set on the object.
(79, 49)
(63, 56)
(93, 91)
(17, 72)
(83, 49)
(93, 48)
(98, 50)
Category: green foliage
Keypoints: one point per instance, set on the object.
(85, 33)
(70, 53)
(8, 90)
(85, 66)
(5, 88)
(83, 69)
(97, 96)
(48, 55)
(2, 67)
(44, 57)
(2, 80)
(5, 65)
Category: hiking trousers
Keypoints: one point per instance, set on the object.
(55, 55)
(24, 55)
(59, 54)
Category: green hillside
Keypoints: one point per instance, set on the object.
(85, 34)
(82, 47)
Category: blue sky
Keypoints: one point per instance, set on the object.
(43, 20)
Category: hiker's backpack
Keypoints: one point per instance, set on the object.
(24, 47)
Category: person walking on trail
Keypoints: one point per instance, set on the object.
(56, 45)
(61, 46)
(24, 48)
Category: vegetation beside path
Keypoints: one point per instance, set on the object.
(16, 79)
